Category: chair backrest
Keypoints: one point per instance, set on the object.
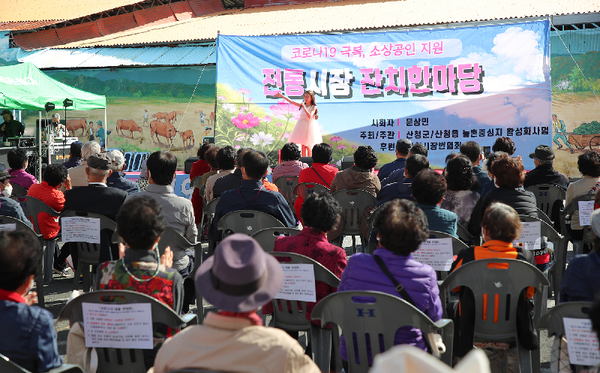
(553, 319)
(493, 289)
(175, 241)
(546, 195)
(353, 202)
(463, 234)
(267, 237)
(18, 191)
(89, 253)
(292, 316)
(120, 360)
(457, 245)
(7, 366)
(246, 222)
(32, 207)
(543, 216)
(197, 182)
(369, 315)
(570, 209)
(287, 185)
(305, 189)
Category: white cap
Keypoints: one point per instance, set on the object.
(117, 160)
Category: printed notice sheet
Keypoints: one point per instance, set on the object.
(585, 212)
(80, 229)
(118, 325)
(437, 252)
(531, 235)
(582, 342)
(298, 283)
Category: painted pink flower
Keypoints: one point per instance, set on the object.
(222, 98)
(243, 108)
(243, 121)
(237, 147)
(262, 138)
(279, 124)
(267, 119)
(336, 138)
(285, 110)
(244, 91)
(286, 135)
(354, 147)
(341, 147)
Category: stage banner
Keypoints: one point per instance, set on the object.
(436, 87)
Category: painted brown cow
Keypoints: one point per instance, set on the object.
(73, 125)
(128, 125)
(160, 116)
(164, 129)
(188, 138)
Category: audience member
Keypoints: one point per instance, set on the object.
(402, 148)
(29, 338)
(117, 179)
(321, 172)
(140, 224)
(74, 155)
(252, 195)
(233, 180)
(18, 162)
(47, 191)
(269, 185)
(78, 174)
(428, 189)
(473, 152)
(402, 227)
(226, 160)
(96, 198)
(360, 176)
(589, 166)
(501, 225)
(397, 176)
(414, 164)
(211, 157)
(238, 279)
(290, 162)
(504, 144)
(580, 282)
(320, 213)
(462, 195)
(544, 173)
(8, 206)
(199, 168)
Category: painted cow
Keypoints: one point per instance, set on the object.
(128, 125)
(73, 125)
(160, 116)
(188, 138)
(164, 129)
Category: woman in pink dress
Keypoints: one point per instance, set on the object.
(307, 131)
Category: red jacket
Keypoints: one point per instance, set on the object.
(54, 198)
(308, 175)
(199, 168)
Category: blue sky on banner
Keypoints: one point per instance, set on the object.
(437, 87)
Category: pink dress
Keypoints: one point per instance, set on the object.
(307, 131)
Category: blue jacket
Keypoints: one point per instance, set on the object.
(117, 180)
(581, 281)
(395, 190)
(387, 168)
(439, 219)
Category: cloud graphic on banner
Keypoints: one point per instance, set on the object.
(522, 48)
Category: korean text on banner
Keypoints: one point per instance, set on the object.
(436, 252)
(298, 283)
(80, 229)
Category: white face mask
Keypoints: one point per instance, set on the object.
(7, 190)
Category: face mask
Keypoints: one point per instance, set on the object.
(7, 191)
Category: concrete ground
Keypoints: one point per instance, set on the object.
(57, 293)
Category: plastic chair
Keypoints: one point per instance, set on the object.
(491, 285)
(18, 192)
(197, 182)
(7, 366)
(32, 207)
(292, 316)
(546, 195)
(305, 189)
(116, 360)
(560, 246)
(267, 237)
(286, 185)
(371, 246)
(553, 319)
(208, 212)
(88, 253)
(246, 222)
(369, 314)
(464, 235)
(457, 246)
(543, 216)
(354, 202)
(588, 235)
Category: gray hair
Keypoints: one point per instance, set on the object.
(90, 148)
(545, 161)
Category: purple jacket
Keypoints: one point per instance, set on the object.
(363, 273)
(22, 178)
(288, 168)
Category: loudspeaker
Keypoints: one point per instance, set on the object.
(347, 161)
(187, 166)
(307, 160)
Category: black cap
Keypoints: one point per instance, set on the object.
(98, 162)
(6, 111)
(405, 144)
(543, 153)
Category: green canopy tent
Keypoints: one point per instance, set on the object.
(25, 87)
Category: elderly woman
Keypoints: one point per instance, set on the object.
(140, 224)
(589, 166)
(501, 225)
(290, 162)
(401, 227)
(461, 196)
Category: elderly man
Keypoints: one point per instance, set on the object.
(402, 148)
(116, 178)
(78, 174)
(10, 127)
(237, 280)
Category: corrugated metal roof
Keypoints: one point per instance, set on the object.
(578, 41)
(343, 15)
(112, 57)
(17, 26)
(42, 10)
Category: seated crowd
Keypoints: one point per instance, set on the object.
(483, 195)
